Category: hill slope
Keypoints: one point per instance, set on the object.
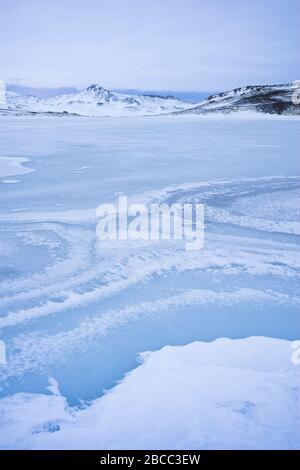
(272, 99)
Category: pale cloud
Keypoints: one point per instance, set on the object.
(196, 44)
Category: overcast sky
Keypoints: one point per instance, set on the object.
(157, 44)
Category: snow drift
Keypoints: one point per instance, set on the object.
(227, 394)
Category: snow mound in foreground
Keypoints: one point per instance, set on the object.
(227, 394)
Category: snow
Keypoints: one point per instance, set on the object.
(227, 394)
(11, 166)
(10, 181)
(98, 101)
(273, 99)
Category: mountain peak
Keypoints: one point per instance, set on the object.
(96, 87)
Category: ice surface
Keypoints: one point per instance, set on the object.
(81, 311)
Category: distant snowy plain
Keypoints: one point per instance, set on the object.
(77, 312)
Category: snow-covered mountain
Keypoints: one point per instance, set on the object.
(271, 99)
(96, 101)
(99, 101)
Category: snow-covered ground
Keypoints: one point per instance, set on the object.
(80, 312)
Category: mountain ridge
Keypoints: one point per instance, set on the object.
(268, 99)
(96, 100)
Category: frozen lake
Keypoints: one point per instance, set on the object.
(79, 311)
